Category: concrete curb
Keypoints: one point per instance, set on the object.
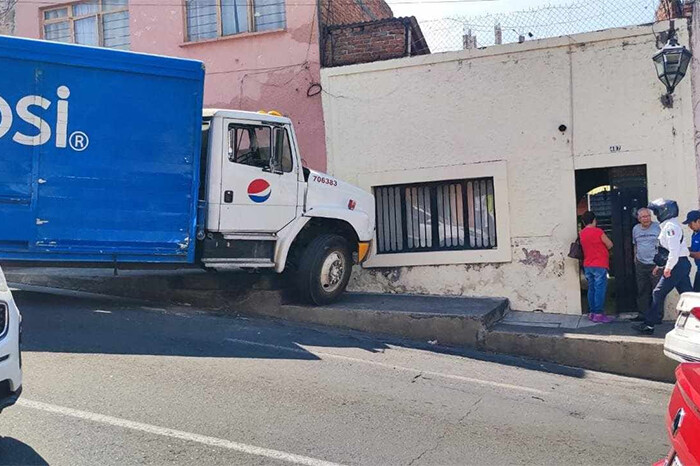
(639, 357)
(250, 293)
(451, 330)
(453, 321)
(450, 321)
(457, 322)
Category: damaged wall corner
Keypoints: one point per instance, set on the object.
(7, 17)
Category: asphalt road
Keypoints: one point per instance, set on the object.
(111, 382)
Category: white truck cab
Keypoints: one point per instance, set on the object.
(265, 210)
(10, 355)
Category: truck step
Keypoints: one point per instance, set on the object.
(229, 263)
(251, 237)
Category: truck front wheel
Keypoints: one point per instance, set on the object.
(324, 270)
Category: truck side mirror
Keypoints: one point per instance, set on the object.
(276, 159)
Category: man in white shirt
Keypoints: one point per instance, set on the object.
(676, 269)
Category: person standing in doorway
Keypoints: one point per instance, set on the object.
(672, 257)
(692, 219)
(596, 261)
(645, 236)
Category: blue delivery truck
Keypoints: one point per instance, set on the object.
(107, 157)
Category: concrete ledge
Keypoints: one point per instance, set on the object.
(242, 292)
(451, 321)
(448, 320)
(454, 321)
(633, 356)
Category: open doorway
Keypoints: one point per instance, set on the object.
(614, 194)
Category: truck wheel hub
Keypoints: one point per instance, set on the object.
(332, 272)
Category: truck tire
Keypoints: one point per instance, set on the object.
(324, 270)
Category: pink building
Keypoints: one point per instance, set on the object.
(259, 54)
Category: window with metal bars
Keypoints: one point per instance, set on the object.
(437, 216)
(209, 19)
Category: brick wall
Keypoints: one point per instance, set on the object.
(7, 17)
(362, 31)
(373, 41)
(335, 12)
(366, 43)
(669, 9)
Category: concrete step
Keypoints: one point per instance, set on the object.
(481, 323)
(613, 348)
(241, 291)
(453, 321)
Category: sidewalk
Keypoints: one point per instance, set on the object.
(575, 341)
(485, 324)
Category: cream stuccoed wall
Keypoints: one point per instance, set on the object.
(497, 112)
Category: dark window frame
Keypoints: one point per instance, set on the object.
(71, 18)
(192, 35)
(233, 157)
(278, 151)
(401, 246)
(276, 161)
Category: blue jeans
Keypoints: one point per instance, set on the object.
(679, 279)
(597, 278)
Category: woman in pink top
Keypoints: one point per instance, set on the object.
(596, 261)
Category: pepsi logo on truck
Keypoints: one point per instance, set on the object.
(259, 191)
(78, 140)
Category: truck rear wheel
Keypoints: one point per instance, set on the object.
(324, 269)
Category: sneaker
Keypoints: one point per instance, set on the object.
(639, 318)
(644, 328)
(591, 316)
(603, 319)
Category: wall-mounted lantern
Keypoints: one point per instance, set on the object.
(671, 64)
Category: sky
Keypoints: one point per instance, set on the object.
(565, 17)
(424, 11)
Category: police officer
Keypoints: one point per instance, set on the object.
(693, 221)
(672, 258)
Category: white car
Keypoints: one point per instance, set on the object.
(683, 342)
(10, 355)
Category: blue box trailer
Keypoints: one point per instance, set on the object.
(99, 154)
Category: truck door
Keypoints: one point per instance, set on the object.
(259, 179)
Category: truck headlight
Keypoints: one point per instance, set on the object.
(363, 248)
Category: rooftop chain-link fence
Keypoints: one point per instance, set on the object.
(457, 32)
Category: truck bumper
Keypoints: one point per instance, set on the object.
(681, 348)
